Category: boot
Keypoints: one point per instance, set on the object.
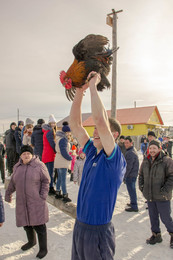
(66, 198)
(58, 195)
(52, 191)
(171, 240)
(155, 238)
(71, 177)
(31, 238)
(42, 240)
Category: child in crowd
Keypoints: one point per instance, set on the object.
(27, 134)
(78, 167)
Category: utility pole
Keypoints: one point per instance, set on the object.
(18, 115)
(111, 20)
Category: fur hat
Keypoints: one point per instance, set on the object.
(40, 121)
(66, 127)
(26, 148)
(151, 133)
(29, 121)
(52, 119)
(155, 142)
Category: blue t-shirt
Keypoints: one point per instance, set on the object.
(101, 179)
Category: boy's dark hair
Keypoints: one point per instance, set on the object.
(122, 137)
(129, 138)
(115, 126)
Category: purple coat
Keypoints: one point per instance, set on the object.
(31, 183)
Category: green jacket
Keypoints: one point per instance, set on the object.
(156, 178)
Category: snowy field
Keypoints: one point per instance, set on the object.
(131, 229)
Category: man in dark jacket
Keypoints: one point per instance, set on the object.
(131, 174)
(37, 138)
(10, 143)
(156, 184)
(167, 146)
(2, 167)
(17, 135)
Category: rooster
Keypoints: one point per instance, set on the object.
(90, 55)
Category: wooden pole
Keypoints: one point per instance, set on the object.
(114, 68)
(113, 24)
(18, 115)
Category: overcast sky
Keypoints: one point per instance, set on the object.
(37, 37)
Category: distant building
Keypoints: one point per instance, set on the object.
(134, 121)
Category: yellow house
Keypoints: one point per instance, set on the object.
(134, 121)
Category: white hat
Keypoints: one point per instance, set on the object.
(29, 121)
(52, 119)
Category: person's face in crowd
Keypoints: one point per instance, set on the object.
(74, 141)
(82, 156)
(127, 144)
(154, 150)
(53, 124)
(68, 134)
(145, 141)
(21, 126)
(122, 140)
(97, 141)
(26, 157)
(150, 138)
(29, 130)
(13, 127)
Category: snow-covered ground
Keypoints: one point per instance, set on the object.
(131, 229)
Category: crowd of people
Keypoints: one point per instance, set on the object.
(40, 156)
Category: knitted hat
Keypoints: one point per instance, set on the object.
(29, 121)
(80, 151)
(151, 133)
(155, 142)
(26, 148)
(66, 127)
(52, 119)
(20, 123)
(40, 121)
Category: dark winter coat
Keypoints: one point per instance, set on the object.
(156, 178)
(2, 150)
(9, 140)
(31, 183)
(2, 214)
(17, 135)
(168, 148)
(132, 160)
(49, 152)
(37, 140)
(122, 147)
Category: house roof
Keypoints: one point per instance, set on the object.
(84, 117)
(126, 116)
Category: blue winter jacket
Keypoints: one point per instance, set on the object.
(132, 160)
(2, 214)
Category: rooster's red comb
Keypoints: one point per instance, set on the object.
(62, 75)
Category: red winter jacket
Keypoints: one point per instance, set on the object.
(48, 154)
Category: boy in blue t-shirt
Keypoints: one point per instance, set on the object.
(104, 169)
